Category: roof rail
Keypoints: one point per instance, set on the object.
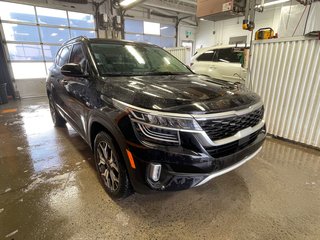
(75, 38)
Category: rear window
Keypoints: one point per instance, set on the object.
(207, 56)
(229, 55)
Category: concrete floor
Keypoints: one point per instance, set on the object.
(49, 190)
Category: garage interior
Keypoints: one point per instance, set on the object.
(48, 182)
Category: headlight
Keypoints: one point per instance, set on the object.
(166, 121)
(157, 127)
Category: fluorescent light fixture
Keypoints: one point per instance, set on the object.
(162, 28)
(275, 3)
(126, 3)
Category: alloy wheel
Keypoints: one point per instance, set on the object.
(108, 166)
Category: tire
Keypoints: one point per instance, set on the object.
(57, 119)
(110, 167)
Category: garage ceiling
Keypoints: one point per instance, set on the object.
(187, 7)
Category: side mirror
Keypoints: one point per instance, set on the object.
(72, 70)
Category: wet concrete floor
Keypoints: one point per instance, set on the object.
(49, 190)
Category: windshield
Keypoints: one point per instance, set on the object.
(133, 60)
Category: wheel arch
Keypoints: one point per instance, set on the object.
(99, 123)
(102, 122)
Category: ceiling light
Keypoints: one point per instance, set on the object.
(202, 19)
(275, 2)
(126, 3)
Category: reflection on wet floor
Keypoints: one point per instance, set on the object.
(49, 190)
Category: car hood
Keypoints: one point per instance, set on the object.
(192, 93)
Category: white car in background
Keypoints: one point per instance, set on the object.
(222, 62)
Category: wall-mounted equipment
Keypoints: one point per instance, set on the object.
(216, 10)
(103, 20)
(265, 33)
(117, 23)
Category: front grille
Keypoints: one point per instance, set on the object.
(227, 127)
(233, 147)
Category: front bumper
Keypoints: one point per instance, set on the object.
(182, 168)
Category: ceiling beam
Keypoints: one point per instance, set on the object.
(164, 12)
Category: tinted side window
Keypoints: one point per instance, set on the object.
(63, 56)
(207, 56)
(77, 56)
(229, 55)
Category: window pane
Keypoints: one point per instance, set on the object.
(207, 56)
(28, 70)
(64, 56)
(151, 28)
(17, 12)
(15, 32)
(229, 55)
(54, 35)
(167, 30)
(52, 16)
(77, 56)
(133, 26)
(134, 37)
(89, 34)
(152, 39)
(168, 42)
(81, 20)
(50, 52)
(25, 52)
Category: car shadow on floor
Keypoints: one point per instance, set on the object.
(204, 203)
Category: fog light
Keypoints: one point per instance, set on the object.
(154, 171)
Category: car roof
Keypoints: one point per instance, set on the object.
(202, 50)
(105, 41)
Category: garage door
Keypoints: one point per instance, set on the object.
(32, 36)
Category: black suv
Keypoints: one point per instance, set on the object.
(152, 123)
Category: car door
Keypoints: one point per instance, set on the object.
(58, 81)
(227, 64)
(203, 64)
(81, 91)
